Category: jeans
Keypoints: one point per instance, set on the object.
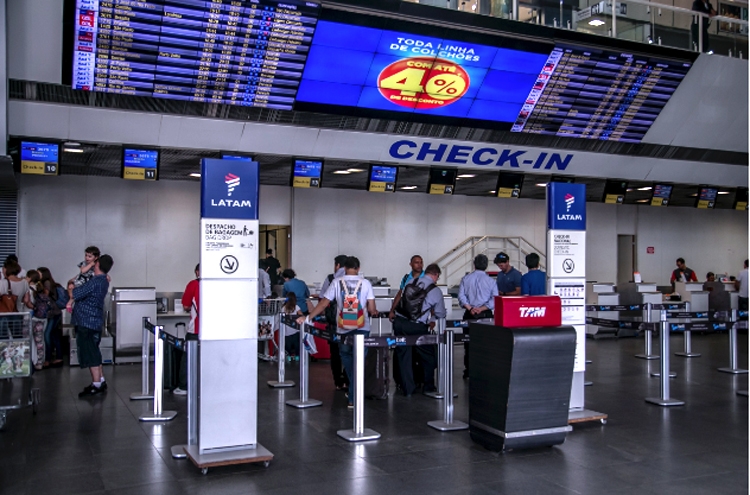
(347, 359)
(402, 326)
(52, 339)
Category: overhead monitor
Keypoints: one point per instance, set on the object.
(661, 194)
(614, 192)
(237, 53)
(307, 173)
(707, 198)
(509, 185)
(740, 200)
(140, 164)
(442, 180)
(453, 77)
(234, 156)
(39, 158)
(382, 178)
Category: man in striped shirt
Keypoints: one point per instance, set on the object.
(476, 294)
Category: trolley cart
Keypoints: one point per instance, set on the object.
(269, 311)
(15, 364)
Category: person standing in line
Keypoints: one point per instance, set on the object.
(508, 278)
(476, 294)
(416, 263)
(340, 380)
(264, 280)
(534, 282)
(190, 299)
(12, 258)
(740, 284)
(88, 318)
(273, 268)
(299, 287)
(53, 331)
(682, 273)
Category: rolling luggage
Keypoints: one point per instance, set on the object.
(376, 373)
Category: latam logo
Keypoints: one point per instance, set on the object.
(232, 181)
(569, 200)
(532, 312)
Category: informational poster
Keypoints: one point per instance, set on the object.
(566, 256)
(229, 248)
(572, 294)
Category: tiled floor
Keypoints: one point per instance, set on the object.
(98, 445)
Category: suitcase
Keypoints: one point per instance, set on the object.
(416, 368)
(376, 373)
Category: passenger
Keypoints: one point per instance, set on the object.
(40, 309)
(293, 284)
(704, 7)
(432, 307)
(53, 330)
(264, 280)
(355, 290)
(534, 282)
(15, 285)
(340, 380)
(682, 273)
(32, 278)
(291, 345)
(508, 278)
(740, 284)
(88, 318)
(416, 263)
(86, 270)
(14, 259)
(190, 299)
(273, 268)
(476, 294)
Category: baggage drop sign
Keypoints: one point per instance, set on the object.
(229, 248)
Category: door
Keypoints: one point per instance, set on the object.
(625, 258)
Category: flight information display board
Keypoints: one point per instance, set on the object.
(307, 173)
(707, 198)
(237, 52)
(40, 158)
(140, 164)
(382, 178)
(661, 195)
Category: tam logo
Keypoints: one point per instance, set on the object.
(532, 312)
(232, 181)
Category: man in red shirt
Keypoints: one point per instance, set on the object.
(190, 299)
(682, 273)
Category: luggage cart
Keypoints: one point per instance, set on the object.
(269, 317)
(15, 364)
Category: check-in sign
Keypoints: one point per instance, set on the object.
(229, 248)
(566, 253)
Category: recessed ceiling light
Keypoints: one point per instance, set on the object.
(694, 195)
(354, 170)
(195, 174)
(646, 188)
(73, 150)
(630, 189)
(596, 22)
(492, 192)
(642, 201)
(409, 188)
(71, 143)
(723, 192)
(342, 172)
(541, 184)
(466, 176)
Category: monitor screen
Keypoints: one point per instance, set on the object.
(140, 164)
(442, 180)
(661, 195)
(740, 199)
(307, 173)
(707, 197)
(614, 192)
(237, 53)
(533, 87)
(509, 185)
(240, 158)
(40, 158)
(382, 178)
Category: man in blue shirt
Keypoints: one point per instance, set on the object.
(416, 263)
(88, 318)
(476, 294)
(508, 278)
(293, 284)
(533, 283)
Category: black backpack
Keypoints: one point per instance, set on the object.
(412, 300)
(330, 311)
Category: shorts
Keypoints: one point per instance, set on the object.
(87, 340)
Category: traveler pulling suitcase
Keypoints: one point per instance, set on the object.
(377, 372)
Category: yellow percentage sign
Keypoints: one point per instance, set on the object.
(445, 86)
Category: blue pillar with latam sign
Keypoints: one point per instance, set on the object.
(566, 268)
(228, 365)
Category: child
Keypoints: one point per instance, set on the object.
(86, 271)
(290, 334)
(32, 278)
(41, 306)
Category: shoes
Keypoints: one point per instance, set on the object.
(179, 391)
(428, 389)
(466, 374)
(103, 386)
(57, 363)
(350, 405)
(296, 358)
(90, 391)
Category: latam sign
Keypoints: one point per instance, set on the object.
(566, 206)
(229, 189)
(444, 153)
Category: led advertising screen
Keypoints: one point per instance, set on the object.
(382, 178)
(40, 158)
(442, 180)
(707, 198)
(614, 192)
(740, 200)
(509, 185)
(307, 173)
(661, 195)
(140, 164)
(233, 52)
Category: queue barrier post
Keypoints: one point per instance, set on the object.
(447, 423)
(281, 382)
(648, 335)
(359, 433)
(688, 340)
(442, 372)
(664, 399)
(304, 377)
(144, 393)
(158, 415)
(733, 369)
(191, 348)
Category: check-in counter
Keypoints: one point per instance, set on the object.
(602, 294)
(693, 293)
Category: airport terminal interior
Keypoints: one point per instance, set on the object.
(609, 140)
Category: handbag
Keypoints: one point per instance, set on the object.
(8, 301)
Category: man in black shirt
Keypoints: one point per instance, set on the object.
(273, 267)
(704, 7)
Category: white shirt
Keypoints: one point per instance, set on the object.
(742, 279)
(264, 284)
(335, 292)
(291, 330)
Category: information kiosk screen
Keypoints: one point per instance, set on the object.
(662, 193)
(382, 178)
(614, 192)
(140, 164)
(442, 180)
(307, 173)
(509, 185)
(707, 198)
(40, 158)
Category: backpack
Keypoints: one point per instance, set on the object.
(8, 301)
(42, 305)
(412, 300)
(351, 313)
(330, 312)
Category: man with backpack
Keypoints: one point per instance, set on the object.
(421, 304)
(337, 369)
(354, 298)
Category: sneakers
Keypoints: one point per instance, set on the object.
(179, 391)
(90, 391)
(350, 405)
(103, 386)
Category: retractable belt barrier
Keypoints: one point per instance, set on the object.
(161, 336)
(636, 307)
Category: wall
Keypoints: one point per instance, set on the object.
(35, 35)
(151, 229)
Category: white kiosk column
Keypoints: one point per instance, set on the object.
(228, 315)
(566, 277)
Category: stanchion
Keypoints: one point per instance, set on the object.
(281, 382)
(743, 393)
(664, 399)
(447, 423)
(359, 433)
(144, 394)
(648, 335)
(191, 348)
(663, 327)
(158, 415)
(304, 377)
(688, 340)
(441, 370)
(733, 369)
